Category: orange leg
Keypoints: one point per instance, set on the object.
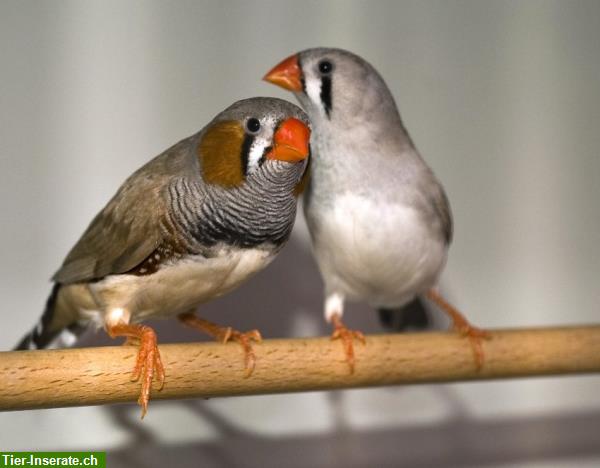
(224, 334)
(462, 326)
(347, 337)
(148, 362)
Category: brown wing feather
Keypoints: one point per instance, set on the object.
(127, 229)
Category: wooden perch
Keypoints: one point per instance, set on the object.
(92, 376)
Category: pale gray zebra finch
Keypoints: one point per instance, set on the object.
(379, 219)
(189, 226)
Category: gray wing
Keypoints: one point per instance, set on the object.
(435, 205)
(442, 208)
(128, 229)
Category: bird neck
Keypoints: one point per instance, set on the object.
(248, 216)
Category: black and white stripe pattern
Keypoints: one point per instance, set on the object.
(246, 149)
(41, 337)
(316, 90)
(260, 211)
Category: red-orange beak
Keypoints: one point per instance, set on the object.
(290, 142)
(287, 74)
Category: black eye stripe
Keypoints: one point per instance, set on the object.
(326, 93)
(263, 158)
(246, 146)
(268, 148)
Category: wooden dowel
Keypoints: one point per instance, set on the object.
(92, 376)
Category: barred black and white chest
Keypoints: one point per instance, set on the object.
(246, 217)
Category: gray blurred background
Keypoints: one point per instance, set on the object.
(502, 99)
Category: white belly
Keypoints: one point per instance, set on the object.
(381, 254)
(172, 290)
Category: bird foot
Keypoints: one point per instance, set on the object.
(245, 340)
(461, 325)
(476, 336)
(226, 334)
(347, 337)
(148, 363)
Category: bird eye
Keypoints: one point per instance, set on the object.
(325, 67)
(253, 125)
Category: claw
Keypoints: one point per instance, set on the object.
(148, 363)
(225, 334)
(475, 336)
(347, 337)
(245, 339)
(461, 325)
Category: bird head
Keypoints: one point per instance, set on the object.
(264, 139)
(334, 86)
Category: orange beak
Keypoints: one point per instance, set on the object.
(287, 74)
(290, 142)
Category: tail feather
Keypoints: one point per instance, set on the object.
(42, 336)
(413, 315)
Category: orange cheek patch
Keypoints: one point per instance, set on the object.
(220, 154)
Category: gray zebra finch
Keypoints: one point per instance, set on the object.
(379, 219)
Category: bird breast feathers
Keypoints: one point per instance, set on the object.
(178, 287)
(362, 244)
